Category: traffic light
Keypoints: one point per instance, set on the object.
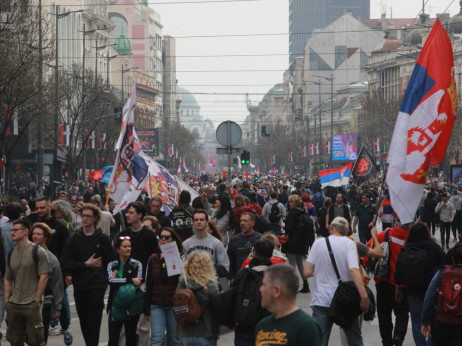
(235, 162)
(263, 131)
(245, 157)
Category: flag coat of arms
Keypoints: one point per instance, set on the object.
(424, 123)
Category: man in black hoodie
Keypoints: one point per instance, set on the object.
(144, 244)
(247, 282)
(85, 257)
(155, 209)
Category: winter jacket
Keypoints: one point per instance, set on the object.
(160, 287)
(300, 231)
(132, 269)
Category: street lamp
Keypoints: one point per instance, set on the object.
(331, 79)
(318, 83)
(97, 48)
(58, 16)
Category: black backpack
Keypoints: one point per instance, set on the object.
(317, 201)
(248, 310)
(182, 222)
(275, 213)
(413, 271)
(261, 225)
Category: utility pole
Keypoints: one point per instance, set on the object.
(40, 105)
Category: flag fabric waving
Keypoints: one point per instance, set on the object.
(212, 163)
(424, 123)
(364, 168)
(335, 176)
(130, 168)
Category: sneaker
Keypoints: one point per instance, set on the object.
(54, 330)
(68, 336)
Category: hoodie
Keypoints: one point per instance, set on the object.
(79, 248)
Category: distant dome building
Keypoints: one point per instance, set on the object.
(190, 117)
(454, 24)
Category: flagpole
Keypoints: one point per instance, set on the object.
(150, 185)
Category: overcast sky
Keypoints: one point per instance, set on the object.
(215, 69)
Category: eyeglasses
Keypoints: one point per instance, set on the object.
(87, 216)
(124, 238)
(17, 229)
(165, 237)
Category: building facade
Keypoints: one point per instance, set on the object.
(306, 16)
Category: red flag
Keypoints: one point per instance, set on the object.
(96, 175)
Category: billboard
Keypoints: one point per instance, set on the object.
(344, 147)
(149, 141)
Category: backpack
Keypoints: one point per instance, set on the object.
(307, 228)
(413, 271)
(185, 306)
(248, 310)
(275, 213)
(317, 201)
(261, 225)
(182, 222)
(449, 296)
(380, 267)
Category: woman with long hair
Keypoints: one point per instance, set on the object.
(300, 230)
(427, 212)
(222, 215)
(213, 230)
(160, 288)
(200, 277)
(125, 302)
(419, 239)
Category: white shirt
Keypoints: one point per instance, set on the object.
(325, 280)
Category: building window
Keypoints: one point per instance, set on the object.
(390, 83)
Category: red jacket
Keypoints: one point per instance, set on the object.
(397, 239)
(274, 260)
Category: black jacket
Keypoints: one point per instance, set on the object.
(346, 213)
(131, 270)
(58, 238)
(79, 248)
(300, 230)
(144, 244)
(164, 220)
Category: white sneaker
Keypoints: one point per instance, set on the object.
(54, 330)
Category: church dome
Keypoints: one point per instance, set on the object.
(123, 45)
(187, 99)
(454, 24)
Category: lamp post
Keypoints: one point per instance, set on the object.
(108, 59)
(97, 48)
(58, 16)
(84, 135)
(318, 83)
(40, 96)
(331, 79)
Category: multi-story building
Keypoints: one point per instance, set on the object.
(306, 16)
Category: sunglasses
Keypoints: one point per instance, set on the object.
(165, 237)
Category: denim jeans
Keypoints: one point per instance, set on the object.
(364, 234)
(196, 341)
(415, 308)
(163, 317)
(321, 316)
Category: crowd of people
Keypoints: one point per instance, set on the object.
(262, 241)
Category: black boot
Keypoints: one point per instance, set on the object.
(305, 288)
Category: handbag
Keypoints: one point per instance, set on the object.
(345, 305)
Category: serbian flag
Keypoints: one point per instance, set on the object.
(101, 141)
(424, 123)
(179, 169)
(11, 121)
(336, 176)
(274, 171)
(212, 163)
(64, 135)
(184, 167)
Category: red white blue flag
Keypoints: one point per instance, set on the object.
(424, 123)
(64, 135)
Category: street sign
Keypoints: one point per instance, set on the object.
(221, 151)
(229, 134)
